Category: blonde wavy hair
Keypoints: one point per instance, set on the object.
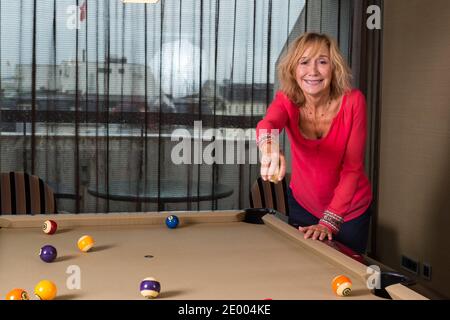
(341, 73)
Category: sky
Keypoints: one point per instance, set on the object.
(126, 23)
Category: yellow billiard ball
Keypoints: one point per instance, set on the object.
(342, 285)
(85, 243)
(45, 290)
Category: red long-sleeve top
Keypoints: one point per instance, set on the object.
(327, 173)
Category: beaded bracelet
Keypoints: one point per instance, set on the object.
(332, 221)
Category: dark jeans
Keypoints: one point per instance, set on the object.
(353, 233)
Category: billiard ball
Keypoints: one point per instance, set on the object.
(172, 221)
(274, 178)
(45, 290)
(48, 253)
(85, 243)
(342, 285)
(49, 227)
(150, 288)
(17, 294)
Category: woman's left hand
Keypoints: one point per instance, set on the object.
(317, 231)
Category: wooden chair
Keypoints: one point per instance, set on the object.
(22, 193)
(265, 194)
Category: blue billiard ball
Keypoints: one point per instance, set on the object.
(172, 221)
(48, 253)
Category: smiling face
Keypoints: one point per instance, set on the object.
(314, 71)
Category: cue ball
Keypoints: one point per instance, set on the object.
(85, 243)
(342, 285)
(45, 290)
(49, 227)
(274, 178)
(150, 288)
(48, 253)
(17, 294)
(172, 221)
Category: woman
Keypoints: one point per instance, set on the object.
(329, 194)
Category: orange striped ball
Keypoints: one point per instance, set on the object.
(341, 285)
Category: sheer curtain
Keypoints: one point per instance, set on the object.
(93, 91)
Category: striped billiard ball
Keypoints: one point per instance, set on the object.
(49, 227)
(85, 243)
(150, 288)
(342, 285)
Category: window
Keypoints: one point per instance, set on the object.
(212, 61)
(104, 70)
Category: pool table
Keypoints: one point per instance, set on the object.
(228, 255)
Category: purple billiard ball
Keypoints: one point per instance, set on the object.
(48, 253)
(150, 288)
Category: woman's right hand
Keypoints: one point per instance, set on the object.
(273, 163)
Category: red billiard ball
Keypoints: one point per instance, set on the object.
(49, 227)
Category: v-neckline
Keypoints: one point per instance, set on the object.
(329, 129)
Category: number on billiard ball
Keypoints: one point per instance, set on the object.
(172, 221)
